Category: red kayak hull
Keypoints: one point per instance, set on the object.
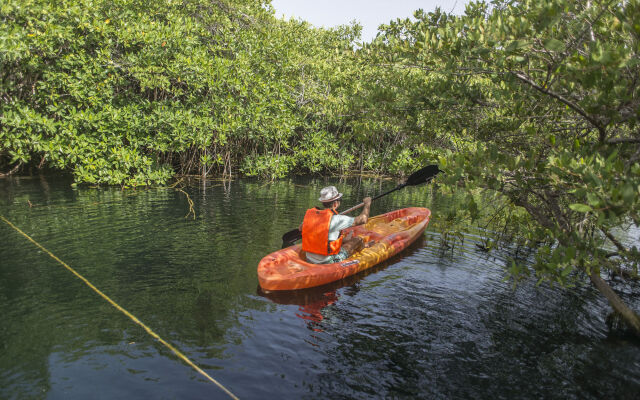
(390, 233)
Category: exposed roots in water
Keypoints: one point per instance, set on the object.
(176, 183)
(191, 210)
(180, 189)
(625, 274)
(12, 171)
(449, 238)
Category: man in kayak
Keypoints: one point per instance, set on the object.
(321, 229)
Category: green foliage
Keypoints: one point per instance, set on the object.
(131, 92)
(535, 100)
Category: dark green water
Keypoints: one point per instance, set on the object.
(432, 323)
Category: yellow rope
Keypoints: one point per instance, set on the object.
(125, 312)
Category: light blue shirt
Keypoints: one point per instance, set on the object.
(337, 224)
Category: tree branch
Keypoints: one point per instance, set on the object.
(616, 302)
(623, 140)
(565, 101)
(615, 241)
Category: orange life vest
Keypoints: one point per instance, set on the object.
(315, 232)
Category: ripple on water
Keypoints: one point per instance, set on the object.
(433, 322)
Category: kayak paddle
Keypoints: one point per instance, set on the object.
(421, 176)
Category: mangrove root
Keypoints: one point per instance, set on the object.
(11, 172)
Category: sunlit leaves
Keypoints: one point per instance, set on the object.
(583, 208)
(146, 88)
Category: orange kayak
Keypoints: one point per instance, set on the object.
(287, 269)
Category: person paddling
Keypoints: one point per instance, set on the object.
(322, 240)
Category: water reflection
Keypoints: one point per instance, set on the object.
(432, 322)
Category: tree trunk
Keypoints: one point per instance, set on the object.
(204, 169)
(630, 317)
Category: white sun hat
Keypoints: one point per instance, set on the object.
(329, 194)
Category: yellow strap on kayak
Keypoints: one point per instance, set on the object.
(125, 312)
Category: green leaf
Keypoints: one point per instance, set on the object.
(593, 200)
(516, 44)
(553, 45)
(628, 194)
(580, 207)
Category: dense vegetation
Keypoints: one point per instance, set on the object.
(537, 101)
(533, 102)
(132, 92)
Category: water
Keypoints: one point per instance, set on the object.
(431, 323)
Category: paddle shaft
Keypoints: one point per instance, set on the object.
(412, 180)
(374, 198)
(295, 234)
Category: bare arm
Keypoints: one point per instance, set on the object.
(364, 216)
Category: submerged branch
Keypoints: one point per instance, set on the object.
(191, 210)
(11, 172)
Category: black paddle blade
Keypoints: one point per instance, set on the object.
(423, 175)
(289, 238)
